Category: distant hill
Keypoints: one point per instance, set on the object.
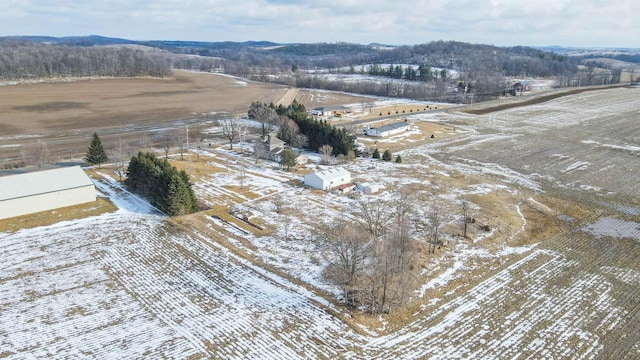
(96, 40)
(435, 70)
(89, 40)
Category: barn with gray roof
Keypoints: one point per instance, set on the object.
(37, 191)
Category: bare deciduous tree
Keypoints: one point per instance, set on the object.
(348, 247)
(279, 203)
(165, 140)
(325, 154)
(265, 115)
(288, 130)
(301, 141)
(230, 128)
(39, 152)
(390, 261)
(145, 142)
(181, 139)
(120, 156)
(434, 218)
(375, 217)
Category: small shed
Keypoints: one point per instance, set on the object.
(388, 130)
(38, 191)
(368, 188)
(328, 179)
(345, 188)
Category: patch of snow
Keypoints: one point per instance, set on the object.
(580, 165)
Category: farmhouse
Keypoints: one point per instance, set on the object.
(33, 192)
(329, 111)
(269, 147)
(328, 179)
(388, 130)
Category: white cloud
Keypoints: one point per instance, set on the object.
(499, 22)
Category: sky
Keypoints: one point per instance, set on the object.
(572, 23)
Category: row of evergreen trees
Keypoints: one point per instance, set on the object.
(423, 73)
(162, 184)
(318, 132)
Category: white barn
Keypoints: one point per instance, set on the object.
(33, 192)
(388, 130)
(328, 179)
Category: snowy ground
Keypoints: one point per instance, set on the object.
(133, 285)
(129, 284)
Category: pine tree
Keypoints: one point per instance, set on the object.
(96, 154)
(162, 184)
(288, 159)
(387, 155)
(398, 159)
(376, 154)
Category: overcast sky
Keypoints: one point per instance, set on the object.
(593, 23)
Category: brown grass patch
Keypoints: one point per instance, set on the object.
(45, 218)
(400, 110)
(203, 167)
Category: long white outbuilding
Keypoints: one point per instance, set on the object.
(328, 179)
(37, 191)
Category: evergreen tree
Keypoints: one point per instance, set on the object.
(96, 154)
(387, 155)
(376, 154)
(398, 159)
(288, 159)
(410, 73)
(162, 184)
(178, 198)
(425, 73)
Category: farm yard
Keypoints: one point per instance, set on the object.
(556, 276)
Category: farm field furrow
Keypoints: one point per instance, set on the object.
(589, 141)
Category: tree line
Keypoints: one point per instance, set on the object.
(21, 60)
(161, 183)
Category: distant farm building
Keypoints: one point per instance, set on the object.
(329, 111)
(328, 179)
(388, 130)
(33, 192)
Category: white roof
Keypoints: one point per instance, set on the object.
(332, 173)
(393, 126)
(42, 182)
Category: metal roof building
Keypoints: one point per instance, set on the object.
(387, 130)
(33, 192)
(328, 179)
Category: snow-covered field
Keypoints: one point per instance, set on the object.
(132, 284)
